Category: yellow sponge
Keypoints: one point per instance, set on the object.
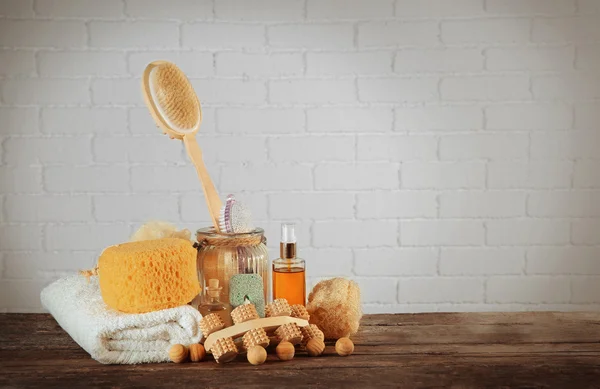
(148, 275)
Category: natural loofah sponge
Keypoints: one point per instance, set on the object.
(158, 230)
(138, 277)
(334, 306)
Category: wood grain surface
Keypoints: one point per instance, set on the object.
(457, 350)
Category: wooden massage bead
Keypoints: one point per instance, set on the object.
(289, 333)
(224, 350)
(344, 347)
(285, 351)
(178, 353)
(197, 352)
(244, 313)
(211, 323)
(278, 307)
(255, 337)
(299, 311)
(257, 355)
(315, 347)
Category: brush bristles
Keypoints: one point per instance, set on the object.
(176, 96)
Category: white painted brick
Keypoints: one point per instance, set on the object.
(441, 233)
(116, 91)
(563, 260)
(17, 63)
(528, 290)
(48, 150)
(133, 34)
(368, 233)
(312, 148)
(401, 308)
(56, 121)
(471, 261)
(226, 91)
(194, 209)
(444, 175)
(312, 36)
(437, 290)
(222, 36)
(354, 9)
(86, 179)
(20, 179)
(529, 116)
(327, 262)
(157, 148)
(36, 208)
(349, 119)
(166, 178)
(567, 144)
(438, 8)
(439, 118)
(564, 203)
(22, 295)
(539, 58)
(193, 64)
(588, 57)
(587, 7)
(526, 232)
(566, 86)
(568, 29)
(259, 65)
(485, 88)
(317, 206)
(81, 63)
(395, 90)
(396, 33)
(585, 231)
(260, 121)
(396, 262)
(45, 91)
(585, 289)
(369, 176)
(530, 7)
(396, 147)
(377, 290)
(85, 236)
(480, 146)
(259, 10)
(16, 8)
(42, 33)
(438, 60)
(396, 204)
(266, 177)
(79, 8)
(176, 9)
(534, 174)
(482, 204)
(234, 148)
(359, 63)
(26, 265)
(488, 31)
(312, 91)
(138, 208)
(19, 121)
(22, 237)
(587, 116)
(586, 174)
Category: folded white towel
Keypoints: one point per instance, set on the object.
(114, 337)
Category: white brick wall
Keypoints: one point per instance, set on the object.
(442, 153)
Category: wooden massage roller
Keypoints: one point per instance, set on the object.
(282, 324)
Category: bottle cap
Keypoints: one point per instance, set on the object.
(288, 233)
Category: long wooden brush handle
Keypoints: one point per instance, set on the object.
(210, 193)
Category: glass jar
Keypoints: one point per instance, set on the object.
(220, 256)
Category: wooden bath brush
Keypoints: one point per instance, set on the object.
(175, 108)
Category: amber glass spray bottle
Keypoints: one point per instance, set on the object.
(289, 272)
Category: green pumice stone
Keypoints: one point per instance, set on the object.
(247, 286)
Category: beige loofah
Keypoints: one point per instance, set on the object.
(158, 230)
(334, 306)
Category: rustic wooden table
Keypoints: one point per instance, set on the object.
(543, 349)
